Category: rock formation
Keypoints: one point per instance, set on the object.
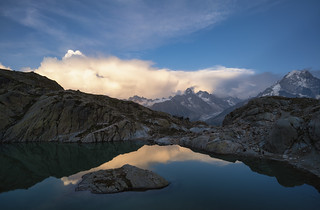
(34, 108)
(126, 178)
(285, 129)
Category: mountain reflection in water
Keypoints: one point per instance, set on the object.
(26, 164)
(148, 155)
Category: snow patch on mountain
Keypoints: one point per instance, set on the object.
(231, 102)
(204, 98)
(275, 90)
(147, 102)
(295, 84)
(195, 106)
(290, 74)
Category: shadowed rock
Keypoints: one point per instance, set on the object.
(126, 178)
(34, 108)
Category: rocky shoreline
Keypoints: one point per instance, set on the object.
(34, 108)
(275, 128)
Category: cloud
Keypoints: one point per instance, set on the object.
(246, 86)
(124, 78)
(315, 73)
(4, 67)
(155, 154)
(121, 24)
(72, 53)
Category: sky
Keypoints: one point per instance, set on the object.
(158, 48)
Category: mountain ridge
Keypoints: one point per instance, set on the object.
(213, 109)
(194, 106)
(295, 84)
(34, 108)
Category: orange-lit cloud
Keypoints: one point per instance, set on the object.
(124, 78)
(4, 67)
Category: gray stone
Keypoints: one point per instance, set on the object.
(185, 141)
(126, 178)
(265, 116)
(314, 130)
(283, 134)
(164, 141)
(223, 147)
(200, 142)
(198, 129)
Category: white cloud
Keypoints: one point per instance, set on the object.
(124, 78)
(315, 73)
(4, 67)
(72, 53)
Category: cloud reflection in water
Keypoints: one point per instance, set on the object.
(146, 156)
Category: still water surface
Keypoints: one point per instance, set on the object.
(44, 176)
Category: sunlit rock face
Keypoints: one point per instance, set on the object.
(18, 92)
(34, 108)
(126, 178)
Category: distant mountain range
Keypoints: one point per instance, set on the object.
(212, 109)
(146, 101)
(195, 106)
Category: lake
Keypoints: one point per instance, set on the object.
(44, 176)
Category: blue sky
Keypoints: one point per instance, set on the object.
(274, 36)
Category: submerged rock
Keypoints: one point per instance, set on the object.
(126, 178)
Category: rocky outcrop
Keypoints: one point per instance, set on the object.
(277, 128)
(126, 178)
(217, 120)
(18, 91)
(279, 125)
(34, 108)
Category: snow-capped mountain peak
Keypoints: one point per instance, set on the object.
(204, 95)
(295, 84)
(196, 106)
(147, 102)
(189, 91)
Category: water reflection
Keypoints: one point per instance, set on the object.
(24, 165)
(148, 155)
(286, 175)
